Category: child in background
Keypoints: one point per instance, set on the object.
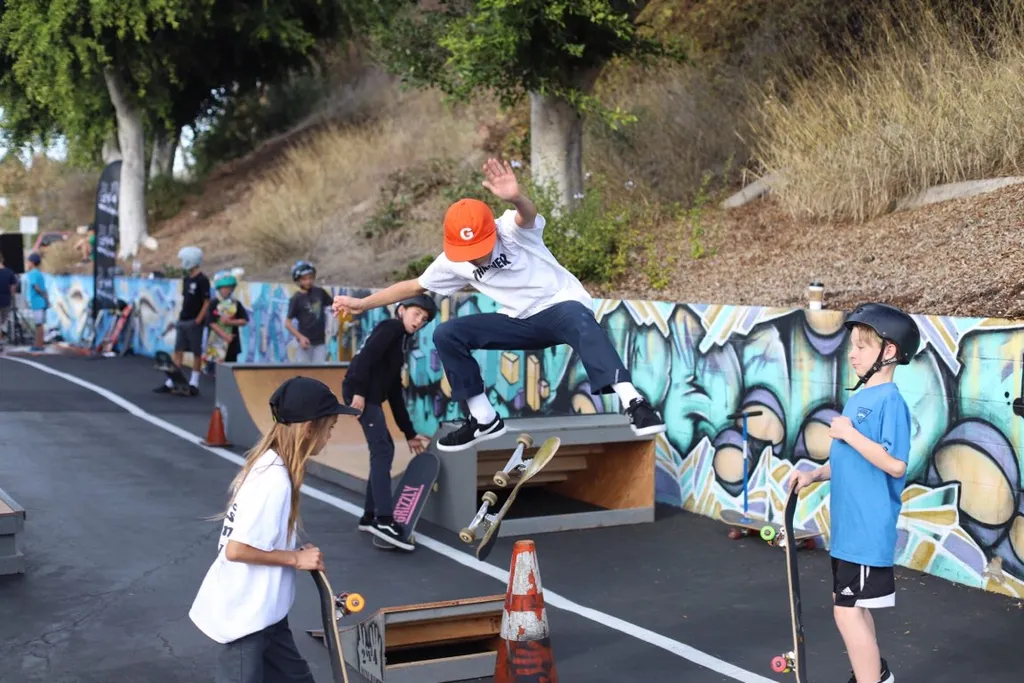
(195, 304)
(375, 376)
(868, 469)
(228, 316)
(308, 307)
(8, 294)
(244, 600)
(38, 299)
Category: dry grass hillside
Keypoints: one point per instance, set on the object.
(851, 105)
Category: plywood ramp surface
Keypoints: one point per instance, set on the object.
(347, 450)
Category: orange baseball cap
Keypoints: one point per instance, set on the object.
(469, 230)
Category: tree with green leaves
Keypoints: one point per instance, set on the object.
(96, 67)
(551, 51)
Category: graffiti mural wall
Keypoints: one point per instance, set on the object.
(963, 508)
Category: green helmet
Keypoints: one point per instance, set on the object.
(225, 280)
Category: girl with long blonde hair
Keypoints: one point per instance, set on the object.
(243, 602)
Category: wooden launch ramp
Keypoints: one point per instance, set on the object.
(435, 642)
(243, 395)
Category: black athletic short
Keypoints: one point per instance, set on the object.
(189, 337)
(857, 585)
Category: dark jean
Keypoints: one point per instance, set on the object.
(382, 455)
(267, 656)
(569, 323)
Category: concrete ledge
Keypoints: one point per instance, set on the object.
(12, 523)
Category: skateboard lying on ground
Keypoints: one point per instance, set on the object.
(332, 608)
(165, 363)
(527, 470)
(793, 661)
(410, 497)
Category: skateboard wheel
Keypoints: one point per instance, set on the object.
(435, 488)
(768, 533)
(466, 536)
(501, 479)
(491, 498)
(353, 602)
(779, 664)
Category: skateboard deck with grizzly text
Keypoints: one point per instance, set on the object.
(410, 497)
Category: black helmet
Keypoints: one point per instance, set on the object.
(892, 325)
(422, 301)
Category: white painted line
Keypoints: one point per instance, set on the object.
(550, 597)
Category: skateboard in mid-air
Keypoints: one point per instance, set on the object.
(793, 661)
(410, 497)
(332, 608)
(165, 363)
(527, 469)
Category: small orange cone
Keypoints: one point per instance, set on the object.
(524, 654)
(215, 432)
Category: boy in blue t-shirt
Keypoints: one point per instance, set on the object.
(38, 299)
(868, 468)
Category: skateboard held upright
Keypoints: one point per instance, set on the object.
(332, 608)
(527, 469)
(793, 661)
(410, 497)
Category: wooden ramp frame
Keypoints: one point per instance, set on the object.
(12, 523)
(435, 642)
(243, 393)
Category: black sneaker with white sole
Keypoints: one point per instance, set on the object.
(471, 433)
(887, 676)
(390, 532)
(365, 522)
(644, 419)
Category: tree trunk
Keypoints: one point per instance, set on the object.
(131, 137)
(110, 151)
(556, 146)
(165, 144)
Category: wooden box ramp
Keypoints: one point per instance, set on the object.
(12, 523)
(243, 395)
(434, 642)
(602, 475)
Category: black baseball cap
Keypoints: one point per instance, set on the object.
(304, 399)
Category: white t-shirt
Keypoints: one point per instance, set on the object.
(523, 276)
(236, 599)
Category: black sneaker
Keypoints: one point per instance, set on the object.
(162, 389)
(887, 676)
(365, 522)
(390, 532)
(644, 419)
(470, 433)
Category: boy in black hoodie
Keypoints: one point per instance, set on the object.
(375, 376)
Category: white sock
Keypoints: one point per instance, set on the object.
(194, 380)
(626, 392)
(168, 383)
(481, 409)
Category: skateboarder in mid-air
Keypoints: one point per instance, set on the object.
(542, 305)
(375, 376)
(244, 599)
(868, 467)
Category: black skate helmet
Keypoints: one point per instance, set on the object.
(302, 268)
(893, 326)
(422, 301)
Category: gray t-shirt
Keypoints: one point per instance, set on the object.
(310, 310)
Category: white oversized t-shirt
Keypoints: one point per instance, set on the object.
(523, 276)
(236, 599)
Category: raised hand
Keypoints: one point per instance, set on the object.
(500, 180)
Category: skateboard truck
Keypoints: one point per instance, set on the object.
(348, 603)
(516, 462)
(469, 533)
(783, 664)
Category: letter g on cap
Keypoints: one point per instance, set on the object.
(466, 233)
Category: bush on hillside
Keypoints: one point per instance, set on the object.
(931, 101)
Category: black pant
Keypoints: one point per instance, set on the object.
(382, 454)
(569, 323)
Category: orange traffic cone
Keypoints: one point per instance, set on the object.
(215, 432)
(524, 654)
